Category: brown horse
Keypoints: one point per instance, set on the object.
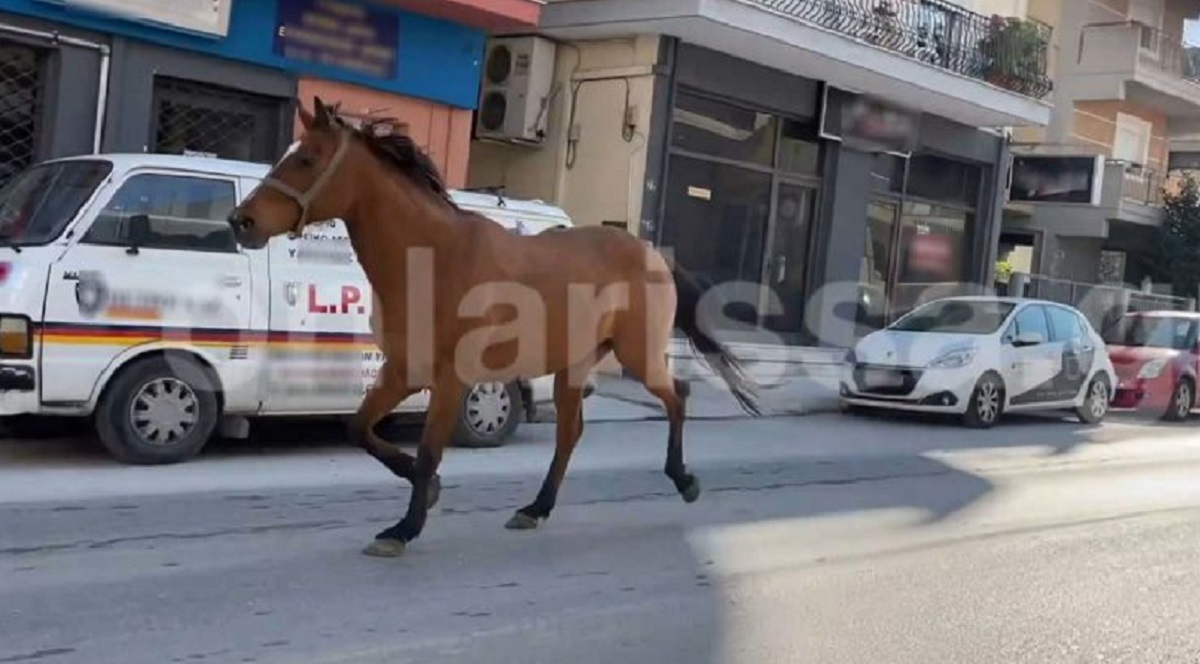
(464, 301)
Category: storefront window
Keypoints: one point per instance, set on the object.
(932, 251)
(716, 222)
(799, 148)
(887, 175)
(718, 129)
(943, 180)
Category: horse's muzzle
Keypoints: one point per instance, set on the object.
(243, 230)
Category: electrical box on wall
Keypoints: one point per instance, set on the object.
(518, 75)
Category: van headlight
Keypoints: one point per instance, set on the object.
(1152, 369)
(16, 337)
(955, 359)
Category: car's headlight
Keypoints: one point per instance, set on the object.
(1152, 369)
(954, 359)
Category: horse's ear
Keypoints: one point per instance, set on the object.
(322, 112)
(306, 118)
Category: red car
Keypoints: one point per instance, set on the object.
(1156, 355)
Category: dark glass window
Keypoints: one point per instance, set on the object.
(888, 173)
(168, 212)
(933, 243)
(715, 128)
(716, 223)
(799, 148)
(945, 180)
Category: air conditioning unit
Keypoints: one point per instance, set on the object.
(518, 75)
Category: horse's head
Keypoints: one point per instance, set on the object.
(306, 186)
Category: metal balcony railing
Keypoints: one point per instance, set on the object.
(1008, 52)
(1140, 185)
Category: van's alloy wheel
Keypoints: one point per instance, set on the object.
(490, 413)
(158, 410)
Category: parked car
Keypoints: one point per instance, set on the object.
(979, 357)
(127, 300)
(1156, 355)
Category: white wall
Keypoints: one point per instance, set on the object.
(605, 180)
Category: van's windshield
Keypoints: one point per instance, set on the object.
(38, 203)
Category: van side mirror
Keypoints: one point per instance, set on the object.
(138, 233)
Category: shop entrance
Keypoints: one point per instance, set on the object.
(741, 193)
(919, 221)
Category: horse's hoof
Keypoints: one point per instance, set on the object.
(385, 548)
(521, 521)
(692, 493)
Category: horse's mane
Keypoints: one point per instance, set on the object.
(401, 152)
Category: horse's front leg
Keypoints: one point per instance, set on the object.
(389, 390)
(441, 419)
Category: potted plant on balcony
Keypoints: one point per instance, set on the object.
(1014, 53)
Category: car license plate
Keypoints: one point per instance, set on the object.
(882, 378)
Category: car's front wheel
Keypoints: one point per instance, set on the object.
(1182, 401)
(1095, 404)
(986, 403)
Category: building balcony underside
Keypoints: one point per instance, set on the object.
(775, 39)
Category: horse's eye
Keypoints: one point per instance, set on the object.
(307, 161)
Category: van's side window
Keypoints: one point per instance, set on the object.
(168, 212)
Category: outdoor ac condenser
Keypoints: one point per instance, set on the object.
(518, 74)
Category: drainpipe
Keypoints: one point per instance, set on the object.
(102, 96)
(105, 65)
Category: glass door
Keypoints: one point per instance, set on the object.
(877, 273)
(787, 265)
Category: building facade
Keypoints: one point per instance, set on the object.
(224, 79)
(1087, 194)
(817, 153)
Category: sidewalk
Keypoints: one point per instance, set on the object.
(619, 399)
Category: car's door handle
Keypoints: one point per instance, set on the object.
(231, 280)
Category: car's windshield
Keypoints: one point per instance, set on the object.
(38, 203)
(956, 317)
(1152, 332)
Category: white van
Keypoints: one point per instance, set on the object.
(124, 297)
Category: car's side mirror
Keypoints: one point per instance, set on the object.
(1028, 339)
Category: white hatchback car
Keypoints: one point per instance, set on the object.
(978, 357)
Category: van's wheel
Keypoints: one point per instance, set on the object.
(158, 410)
(490, 413)
(986, 403)
(1095, 404)
(1182, 401)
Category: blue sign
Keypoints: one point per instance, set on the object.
(339, 34)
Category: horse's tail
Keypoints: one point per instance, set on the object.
(689, 289)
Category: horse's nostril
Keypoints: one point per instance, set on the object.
(239, 221)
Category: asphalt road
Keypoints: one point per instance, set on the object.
(819, 539)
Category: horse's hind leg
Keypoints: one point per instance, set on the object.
(568, 406)
(653, 372)
(383, 397)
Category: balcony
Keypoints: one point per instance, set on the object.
(1129, 60)
(1132, 194)
(928, 55)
